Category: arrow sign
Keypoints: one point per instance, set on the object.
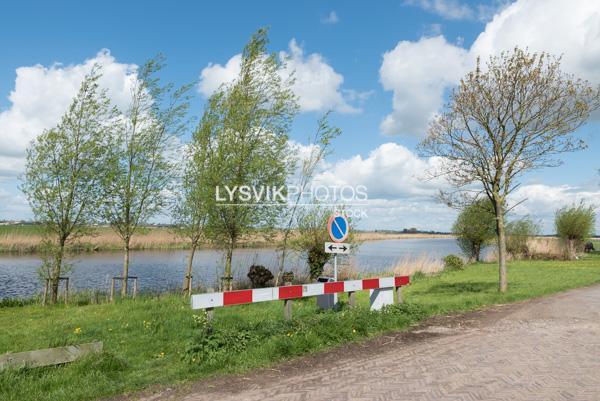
(338, 248)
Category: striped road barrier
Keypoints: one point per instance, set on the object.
(381, 294)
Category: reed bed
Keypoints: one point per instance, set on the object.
(424, 264)
(28, 239)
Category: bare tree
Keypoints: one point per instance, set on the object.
(64, 168)
(319, 149)
(515, 114)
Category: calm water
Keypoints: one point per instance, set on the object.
(161, 270)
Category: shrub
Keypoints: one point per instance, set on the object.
(475, 227)
(518, 233)
(574, 225)
(288, 276)
(316, 260)
(453, 262)
(259, 276)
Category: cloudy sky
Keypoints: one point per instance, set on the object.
(384, 68)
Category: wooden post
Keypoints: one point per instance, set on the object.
(352, 299)
(112, 290)
(135, 287)
(45, 292)
(398, 295)
(66, 290)
(287, 309)
(210, 314)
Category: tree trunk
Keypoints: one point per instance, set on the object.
(571, 249)
(477, 253)
(228, 282)
(281, 262)
(188, 273)
(54, 281)
(125, 269)
(501, 231)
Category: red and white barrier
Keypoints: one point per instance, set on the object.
(228, 298)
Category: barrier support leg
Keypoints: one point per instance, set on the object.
(287, 309)
(210, 314)
(398, 295)
(352, 299)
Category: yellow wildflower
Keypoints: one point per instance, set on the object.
(77, 330)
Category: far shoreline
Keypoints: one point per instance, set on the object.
(26, 239)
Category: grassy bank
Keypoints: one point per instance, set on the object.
(159, 341)
(27, 238)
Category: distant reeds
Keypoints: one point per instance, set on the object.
(542, 248)
(425, 264)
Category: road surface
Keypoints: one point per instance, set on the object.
(546, 349)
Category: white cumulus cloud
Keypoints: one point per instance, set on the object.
(317, 85)
(42, 94)
(418, 73)
(560, 27)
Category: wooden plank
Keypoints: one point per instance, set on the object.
(49, 356)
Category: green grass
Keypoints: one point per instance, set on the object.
(157, 340)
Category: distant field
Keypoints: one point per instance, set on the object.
(26, 238)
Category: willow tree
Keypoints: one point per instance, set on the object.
(141, 172)
(474, 228)
(248, 131)
(190, 212)
(516, 113)
(64, 168)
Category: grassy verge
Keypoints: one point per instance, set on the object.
(159, 341)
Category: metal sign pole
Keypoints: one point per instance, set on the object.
(335, 266)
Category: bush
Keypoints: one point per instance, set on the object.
(288, 277)
(453, 262)
(574, 225)
(316, 260)
(518, 233)
(475, 227)
(259, 276)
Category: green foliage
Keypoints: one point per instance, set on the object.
(246, 126)
(312, 235)
(475, 227)
(453, 262)
(518, 233)
(140, 173)
(575, 224)
(64, 168)
(153, 340)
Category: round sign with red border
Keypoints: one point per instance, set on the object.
(338, 228)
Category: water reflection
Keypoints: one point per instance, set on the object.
(161, 270)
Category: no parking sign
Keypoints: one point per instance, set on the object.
(338, 228)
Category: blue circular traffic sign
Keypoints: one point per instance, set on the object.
(338, 228)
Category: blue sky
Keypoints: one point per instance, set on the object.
(397, 60)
